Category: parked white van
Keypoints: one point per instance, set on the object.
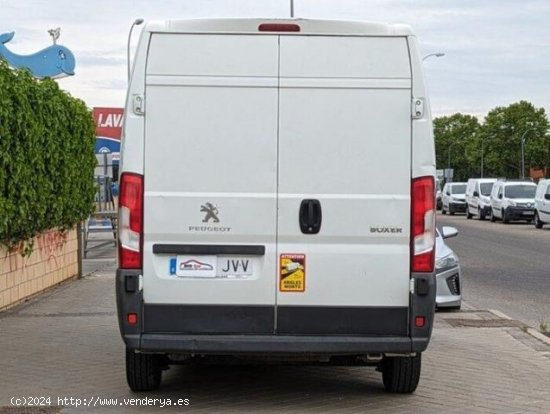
(253, 221)
(453, 198)
(542, 204)
(513, 200)
(478, 197)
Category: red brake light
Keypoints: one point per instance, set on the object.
(423, 224)
(278, 27)
(420, 321)
(130, 222)
(132, 318)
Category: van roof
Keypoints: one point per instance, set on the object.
(483, 180)
(516, 182)
(307, 26)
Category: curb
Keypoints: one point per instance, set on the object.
(531, 331)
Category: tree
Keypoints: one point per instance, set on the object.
(456, 138)
(502, 133)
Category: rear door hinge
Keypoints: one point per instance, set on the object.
(138, 104)
(417, 108)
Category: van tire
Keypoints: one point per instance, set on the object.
(401, 374)
(538, 223)
(443, 210)
(493, 218)
(480, 214)
(143, 371)
(505, 218)
(468, 214)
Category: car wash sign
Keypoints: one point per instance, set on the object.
(108, 123)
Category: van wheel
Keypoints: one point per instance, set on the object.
(443, 210)
(505, 218)
(468, 214)
(143, 371)
(401, 374)
(538, 223)
(493, 218)
(480, 214)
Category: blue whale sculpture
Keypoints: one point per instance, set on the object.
(55, 61)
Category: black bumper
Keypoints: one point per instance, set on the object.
(457, 207)
(519, 213)
(243, 329)
(277, 344)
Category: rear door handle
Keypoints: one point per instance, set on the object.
(310, 216)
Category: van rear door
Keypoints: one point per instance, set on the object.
(209, 248)
(344, 185)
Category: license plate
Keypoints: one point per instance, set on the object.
(527, 213)
(211, 266)
(234, 266)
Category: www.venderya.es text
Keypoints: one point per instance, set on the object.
(96, 401)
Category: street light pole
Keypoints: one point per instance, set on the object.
(447, 178)
(437, 54)
(137, 22)
(483, 136)
(523, 139)
(291, 8)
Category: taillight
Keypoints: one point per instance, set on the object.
(278, 27)
(423, 224)
(130, 221)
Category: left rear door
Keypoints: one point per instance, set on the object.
(210, 183)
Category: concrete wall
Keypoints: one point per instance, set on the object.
(53, 260)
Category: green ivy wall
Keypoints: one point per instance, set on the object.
(46, 157)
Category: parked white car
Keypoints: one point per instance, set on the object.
(448, 273)
(513, 200)
(453, 198)
(478, 197)
(542, 204)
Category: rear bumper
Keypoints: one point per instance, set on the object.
(205, 330)
(276, 344)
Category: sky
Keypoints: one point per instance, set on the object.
(496, 51)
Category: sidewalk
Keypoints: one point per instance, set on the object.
(66, 344)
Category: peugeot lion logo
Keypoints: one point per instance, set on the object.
(211, 213)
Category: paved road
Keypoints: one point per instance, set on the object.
(66, 343)
(505, 267)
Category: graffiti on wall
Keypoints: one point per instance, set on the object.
(48, 246)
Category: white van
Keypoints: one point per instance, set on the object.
(277, 197)
(542, 204)
(513, 200)
(478, 197)
(453, 198)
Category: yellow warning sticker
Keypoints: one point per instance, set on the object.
(292, 276)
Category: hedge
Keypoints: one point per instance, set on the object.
(46, 157)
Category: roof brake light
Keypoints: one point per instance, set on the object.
(278, 27)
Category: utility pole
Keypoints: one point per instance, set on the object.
(291, 8)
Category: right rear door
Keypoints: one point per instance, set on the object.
(344, 162)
